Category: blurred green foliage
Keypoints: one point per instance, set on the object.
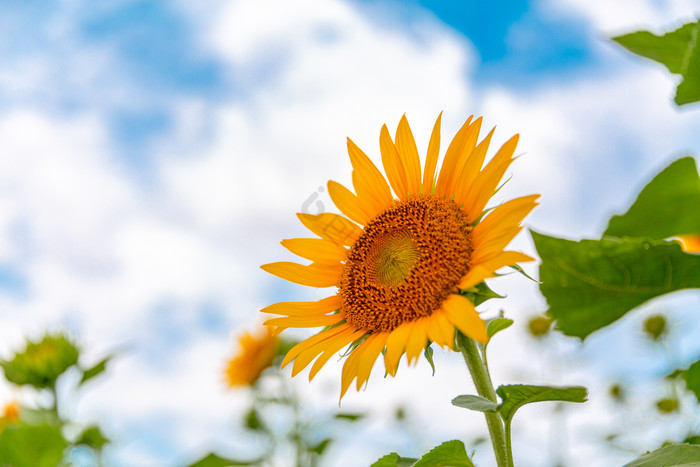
(655, 326)
(41, 436)
(42, 362)
(450, 453)
(539, 325)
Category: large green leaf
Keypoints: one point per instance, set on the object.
(31, 446)
(689, 89)
(515, 396)
(678, 50)
(448, 454)
(667, 206)
(672, 455)
(670, 49)
(591, 283)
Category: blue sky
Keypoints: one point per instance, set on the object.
(154, 154)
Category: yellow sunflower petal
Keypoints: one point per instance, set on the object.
(432, 157)
(471, 170)
(350, 370)
(332, 227)
(503, 218)
(306, 344)
(494, 246)
(348, 203)
(305, 321)
(332, 344)
(406, 147)
(464, 317)
(333, 348)
(487, 269)
(360, 362)
(371, 348)
(313, 275)
(456, 156)
(487, 180)
(316, 249)
(440, 330)
(365, 194)
(470, 162)
(392, 164)
(368, 181)
(395, 345)
(417, 340)
(321, 307)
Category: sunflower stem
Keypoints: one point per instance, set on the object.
(484, 387)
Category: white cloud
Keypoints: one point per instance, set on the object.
(629, 15)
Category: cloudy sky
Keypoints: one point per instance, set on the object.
(153, 155)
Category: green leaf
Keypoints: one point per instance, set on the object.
(478, 403)
(448, 454)
(678, 50)
(480, 293)
(516, 395)
(674, 454)
(667, 206)
(428, 353)
(520, 269)
(31, 446)
(591, 283)
(349, 416)
(95, 370)
(253, 421)
(394, 460)
(497, 325)
(214, 460)
(320, 447)
(670, 49)
(93, 437)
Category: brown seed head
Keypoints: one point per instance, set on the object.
(407, 261)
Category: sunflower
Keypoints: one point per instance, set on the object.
(255, 354)
(402, 263)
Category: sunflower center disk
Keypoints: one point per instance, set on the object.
(393, 259)
(407, 261)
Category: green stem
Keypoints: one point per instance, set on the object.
(509, 449)
(484, 387)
